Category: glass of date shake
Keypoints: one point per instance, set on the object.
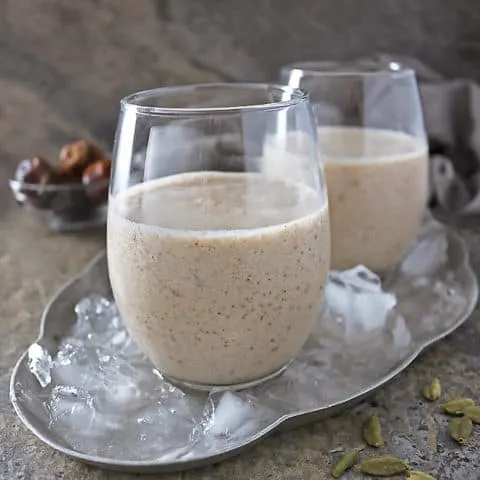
(371, 135)
(217, 264)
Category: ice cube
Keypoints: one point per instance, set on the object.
(428, 254)
(71, 350)
(358, 278)
(71, 406)
(122, 394)
(96, 314)
(120, 339)
(204, 425)
(338, 297)
(356, 298)
(40, 364)
(231, 415)
(124, 346)
(371, 309)
(74, 371)
(120, 386)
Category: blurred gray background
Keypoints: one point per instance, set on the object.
(64, 64)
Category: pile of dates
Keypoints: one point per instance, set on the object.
(74, 188)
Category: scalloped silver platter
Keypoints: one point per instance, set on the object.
(59, 316)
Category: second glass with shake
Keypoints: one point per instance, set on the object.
(372, 141)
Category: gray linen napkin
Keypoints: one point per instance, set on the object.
(452, 118)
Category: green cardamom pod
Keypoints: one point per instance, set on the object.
(383, 466)
(460, 429)
(372, 432)
(473, 413)
(433, 390)
(417, 475)
(457, 405)
(345, 463)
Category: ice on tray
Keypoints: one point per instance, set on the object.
(356, 301)
(100, 383)
(40, 364)
(428, 253)
(102, 396)
(232, 415)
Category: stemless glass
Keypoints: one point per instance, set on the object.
(217, 260)
(372, 138)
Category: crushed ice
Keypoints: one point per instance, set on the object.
(40, 364)
(428, 253)
(104, 397)
(355, 297)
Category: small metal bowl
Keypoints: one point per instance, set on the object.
(64, 207)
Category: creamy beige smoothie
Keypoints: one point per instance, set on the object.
(218, 276)
(377, 183)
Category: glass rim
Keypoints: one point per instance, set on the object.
(349, 68)
(130, 102)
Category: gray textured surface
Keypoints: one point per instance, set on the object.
(64, 65)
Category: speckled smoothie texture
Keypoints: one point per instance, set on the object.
(218, 276)
(377, 183)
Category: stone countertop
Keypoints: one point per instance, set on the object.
(64, 65)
